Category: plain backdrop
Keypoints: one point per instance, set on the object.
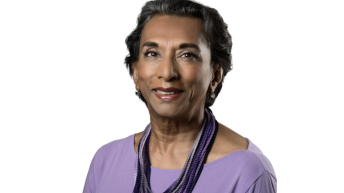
(65, 92)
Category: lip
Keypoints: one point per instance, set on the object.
(171, 97)
(169, 89)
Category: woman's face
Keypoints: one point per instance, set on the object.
(174, 69)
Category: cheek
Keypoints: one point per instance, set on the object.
(197, 78)
(145, 73)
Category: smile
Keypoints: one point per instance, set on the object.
(168, 94)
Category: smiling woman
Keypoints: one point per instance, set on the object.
(179, 54)
(175, 57)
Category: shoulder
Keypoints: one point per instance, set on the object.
(248, 160)
(253, 163)
(227, 141)
(106, 156)
(257, 171)
(106, 153)
(260, 158)
(246, 170)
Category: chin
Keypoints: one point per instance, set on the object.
(167, 110)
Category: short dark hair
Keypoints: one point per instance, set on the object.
(215, 31)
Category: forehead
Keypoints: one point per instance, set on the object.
(173, 29)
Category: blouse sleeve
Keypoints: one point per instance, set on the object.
(266, 183)
(89, 183)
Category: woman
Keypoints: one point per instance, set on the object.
(179, 54)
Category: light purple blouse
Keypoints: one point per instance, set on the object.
(245, 171)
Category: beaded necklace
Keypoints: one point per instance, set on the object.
(194, 163)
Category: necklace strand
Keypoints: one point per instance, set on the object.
(194, 163)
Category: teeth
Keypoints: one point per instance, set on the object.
(166, 93)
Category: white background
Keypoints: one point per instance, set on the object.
(64, 89)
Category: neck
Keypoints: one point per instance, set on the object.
(193, 163)
(180, 132)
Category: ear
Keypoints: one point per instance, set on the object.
(135, 74)
(216, 77)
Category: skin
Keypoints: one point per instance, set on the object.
(164, 63)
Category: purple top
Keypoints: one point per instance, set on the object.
(246, 171)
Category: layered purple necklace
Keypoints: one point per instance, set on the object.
(194, 163)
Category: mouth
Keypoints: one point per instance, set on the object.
(168, 94)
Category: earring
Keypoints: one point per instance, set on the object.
(212, 95)
(138, 93)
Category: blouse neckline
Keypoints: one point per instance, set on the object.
(132, 139)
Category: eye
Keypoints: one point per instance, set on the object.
(151, 54)
(189, 55)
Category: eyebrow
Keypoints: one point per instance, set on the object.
(181, 46)
(150, 44)
(189, 45)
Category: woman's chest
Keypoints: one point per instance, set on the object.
(123, 180)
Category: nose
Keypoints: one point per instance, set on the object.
(167, 69)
